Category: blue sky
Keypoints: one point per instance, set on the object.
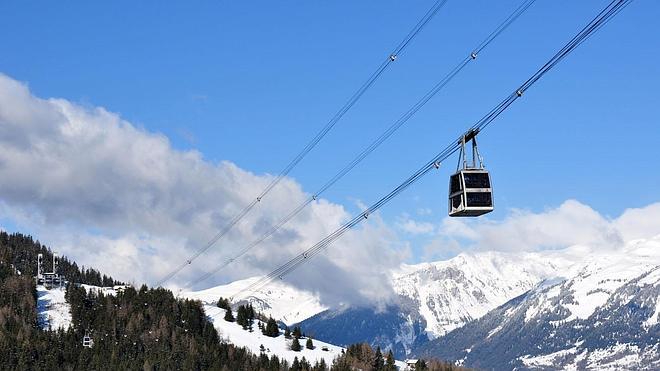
(252, 82)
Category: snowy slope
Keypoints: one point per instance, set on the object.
(434, 298)
(279, 300)
(601, 314)
(99, 289)
(52, 309)
(450, 293)
(234, 333)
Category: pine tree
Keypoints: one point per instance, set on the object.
(378, 361)
(389, 363)
(295, 365)
(271, 328)
(297, 333)
(421, 365)
(309, 344)
(320, 365)
(287, 333)
(229, 317)
(250, 317)
(304, 364)
(295, 345)
(242, 317)
(223, 303)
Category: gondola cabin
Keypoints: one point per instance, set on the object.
(470, 193)
(87, 342)
(470, 189)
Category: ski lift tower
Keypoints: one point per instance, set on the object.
(49, 279)
(40, 276)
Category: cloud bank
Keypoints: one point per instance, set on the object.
(570, 224)
(120, 198)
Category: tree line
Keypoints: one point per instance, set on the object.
(138, 328)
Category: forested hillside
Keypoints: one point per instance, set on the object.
(137, 329)
(21, 251)
(145, 329)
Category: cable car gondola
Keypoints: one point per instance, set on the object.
(470, 190)
(88, 341)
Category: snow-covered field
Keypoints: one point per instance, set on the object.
(281, 301)
(100, 290)
(234, 333)
(53, 310)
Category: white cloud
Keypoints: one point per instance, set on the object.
(570, 224)
(120, 198)
(414, 227)
(424, 211)
(639, 223)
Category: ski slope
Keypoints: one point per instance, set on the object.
(280, 346)
(53, 312)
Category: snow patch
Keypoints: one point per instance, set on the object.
(279, 300)
(53, 311)
(107, 291)
(545, 360)
(234, 333)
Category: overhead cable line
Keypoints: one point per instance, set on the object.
(594, 25)
(398, 50)
(376, 143)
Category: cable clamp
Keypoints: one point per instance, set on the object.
(473, 55)
(392, 57)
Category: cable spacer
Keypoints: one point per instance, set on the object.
(473, 55)
(258, 199)
(519, 93)
(392, 57)
(366, 215)
(314, 197)
(437, 164)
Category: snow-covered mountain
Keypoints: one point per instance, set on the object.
(602, 314)
(494, 309)
(435, 298)
(448, 294)
(283, 302)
